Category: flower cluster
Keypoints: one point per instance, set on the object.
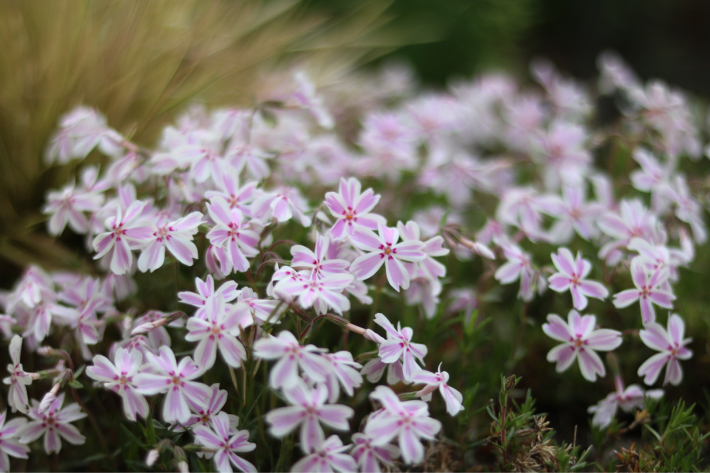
(284, 217)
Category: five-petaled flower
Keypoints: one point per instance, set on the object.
(219, 438)
(672, 347)
(384, 249)
(572, 275)
(580, 341)
(649, 290)
(54, 424)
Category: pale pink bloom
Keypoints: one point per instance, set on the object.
(522, 207)
(374, 368)
(432, 247)
(389, 144)
(291, 356)
(175, 380)
(232, 234)
(67, 206)
(308, 409)
(572, 274)
(580, 341)
(628, 399)
(282, 205)
(219, 331)
(672, 347)
(384, 249)
(18, 379)
(177, 237)
(263, 310)
(652, 177)
(518, 266)
(464, 299)
(41, 316)
(9, 442)
(569, 99)
(688, 209)
(305, 97)
(244, 155)
(424, 290)
(237, 197)
(614, 73)
(351, 208)
(34, 286)
(327, 457)
(81, 130)
(456, 174)
(433, 114)
(315, 262)
(440, 379)
(565, 154)
(205, 291)
(204, 160)
(369, 456)
(649, 290)
(205, 412)
(634, 220)
(343, 372)
(125, 233)
(573, 213)
(220, 438)
(318, 293)
(409, 421)
(54, 424)
(118, 378)
(399, 345)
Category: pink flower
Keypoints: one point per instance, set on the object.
(263, 310)
(399, 345)
(18, 379)
(219, 331)
(205, 412)
(177, 236)
(281, 205)
(409, 421)
(572, 275)
(648, 291)
(54, 424)
(327, 456)
(232, 234)
(237, 197)
(369, 456)
(672, 347)
(452, 397)
(168, 376)
(308, 409)
(343, 372)
(320, 294)
(205, 292)
(119, 379)
(68, 206)
(573, 214)
(225, 444)
(518, 266)
(628, 399)
(580, 341)
(9, 442)
(384, 249)
(316, 262)
(352, 208)
(291, 356)
(432, 247)
(126, 232)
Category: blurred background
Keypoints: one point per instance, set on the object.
(142, 62)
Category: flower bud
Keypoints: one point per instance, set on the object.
(152, 457)
(49, 398)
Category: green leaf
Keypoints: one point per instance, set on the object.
(78, 372)
(651, 429)
(133, 438)
(76, 384)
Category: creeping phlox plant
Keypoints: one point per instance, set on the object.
(310, 224)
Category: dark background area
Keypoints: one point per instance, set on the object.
(658, 38)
